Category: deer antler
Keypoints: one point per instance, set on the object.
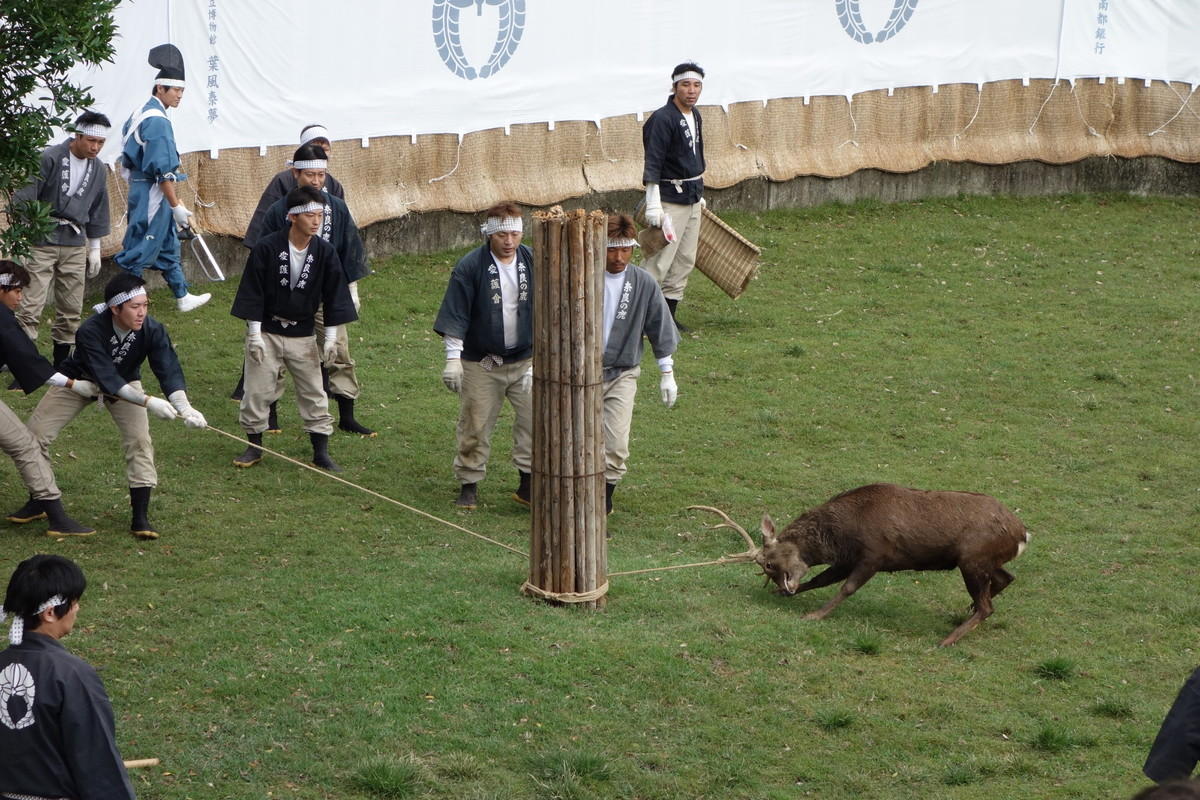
(751, 554)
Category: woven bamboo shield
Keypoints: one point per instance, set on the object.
(725, 256)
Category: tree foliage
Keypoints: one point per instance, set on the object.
(41, 40)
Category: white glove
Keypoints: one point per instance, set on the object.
(191, 417)
(194, 419)
(329, 346)
(354, 297)
(654, 212)
(83, 388)
(181, 215)
(452, 375)
(703, 203)
(160, 408)
(93, 262)
(256, 347)
(526, 381)
(668, 388)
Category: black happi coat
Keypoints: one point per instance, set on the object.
(265, 295)
(279, 186)
(669, 157)
(28, 366)
(338, 229)
(471, 309)
(109, 361)
(1176, 749)
(57, 732)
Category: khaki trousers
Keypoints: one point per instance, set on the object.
(342, 378)
(27, 455)
(64, 269)
(672, 265)
(60, 405)
(616, 415)
(480, 401)
(264, 384)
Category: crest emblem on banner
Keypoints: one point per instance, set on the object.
(850, 15)
(447, 34)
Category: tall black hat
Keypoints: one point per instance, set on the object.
(169, 61)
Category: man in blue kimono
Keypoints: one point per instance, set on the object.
(151, 162)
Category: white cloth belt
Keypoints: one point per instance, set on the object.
(284, 323)
(14, 796)
(679, 182)
(490, 361)
(61, 221)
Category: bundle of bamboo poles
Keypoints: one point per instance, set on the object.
(568, 559)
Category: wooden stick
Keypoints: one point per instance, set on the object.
(135, 763)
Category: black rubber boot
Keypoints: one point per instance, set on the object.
(32, 510)
(608, 493)
(346, 420)
(15, 386)
(673, 304)
(273, 419)
(253, 453)
(239, 391)
(524, 492)
(139, 525)
(468, 496)
(61, 353)
(325, 381)
(60, 523)
(320, 445)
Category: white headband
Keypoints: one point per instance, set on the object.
(314, 164)
(305, 209)
(100, 131)
(497, 224)
(612, 243)
(169, 82)
(315, 132)
(17, 634)
(123, 297)
(8, 279)
(683, 76)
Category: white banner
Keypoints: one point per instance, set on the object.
(259, 71)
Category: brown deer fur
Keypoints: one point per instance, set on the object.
(888, 528)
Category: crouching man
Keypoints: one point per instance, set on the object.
(58, 734)
(110, 348)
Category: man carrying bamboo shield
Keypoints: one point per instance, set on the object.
(674, 178)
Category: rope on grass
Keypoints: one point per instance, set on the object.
(371, 492)
(526, 588)
(564, 597)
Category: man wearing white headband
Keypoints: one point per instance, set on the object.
(633, 308)
(674, 178)
(71, 179)
(486, 320)
(285, 181)
(16, 350)
(151, 162)
(341, 379)
(290, 275)
(111, 347)
(57, 728)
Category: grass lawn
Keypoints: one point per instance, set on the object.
(292, 637)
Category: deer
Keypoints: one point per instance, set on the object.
(887, 528)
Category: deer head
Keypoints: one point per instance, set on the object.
(780, 559)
